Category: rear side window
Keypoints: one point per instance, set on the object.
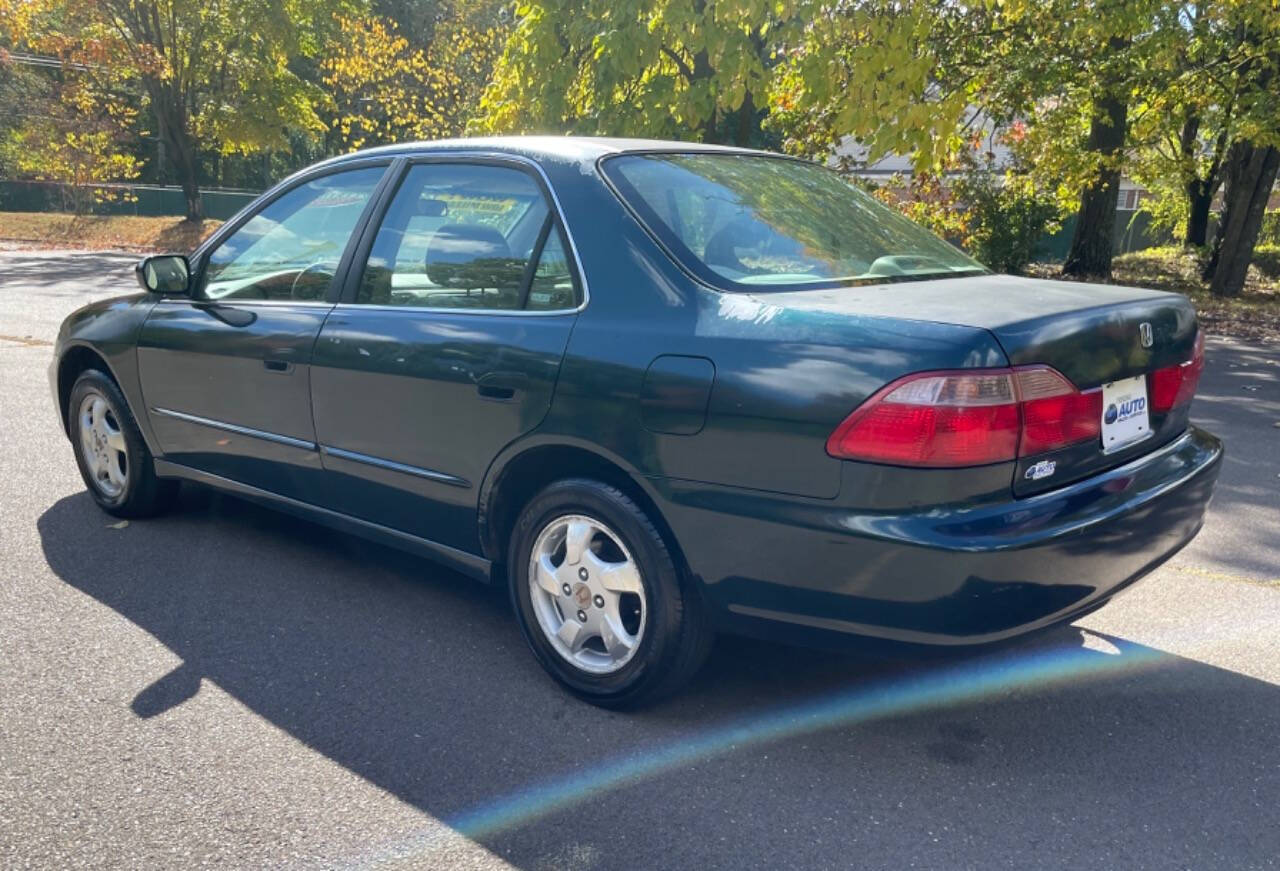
(290, 250)
(552, 287)
(754, 222)
(468, 236)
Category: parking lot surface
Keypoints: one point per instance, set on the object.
(230, 686)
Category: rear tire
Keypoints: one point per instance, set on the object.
(114, 461)
(601, 602)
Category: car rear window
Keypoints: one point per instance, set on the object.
(754, 222)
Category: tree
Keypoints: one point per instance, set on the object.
(1251, 175)
(915, 76)
(1179, 161)
(385, 88)
(1254, 158)
(1091, 241)
(213, 74)
(661, 68)
(79, 139)
(59, 124)
(1199, 100)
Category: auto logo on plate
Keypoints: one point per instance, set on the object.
(1144, 333)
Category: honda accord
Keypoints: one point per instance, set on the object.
(659, 391)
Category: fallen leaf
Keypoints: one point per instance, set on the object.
(121, 525)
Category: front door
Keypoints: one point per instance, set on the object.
(226, 373)
(445, 348)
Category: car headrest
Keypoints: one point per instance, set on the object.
(470, 256)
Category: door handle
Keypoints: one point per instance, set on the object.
(494, 391)
(501, 385)
(280, 366)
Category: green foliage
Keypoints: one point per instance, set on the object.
(384, 88)
(1270, 233)
(661, 68)
(220, 77)
(1266, 259)
(996, 216)
(65, 129)
(909, 76)
(1008, 217)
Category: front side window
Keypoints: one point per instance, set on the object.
(754, 222)
(290, 250)
(468, 236)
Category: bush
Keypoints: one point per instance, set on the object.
(1007, 217)
(1270, 232)
(997, 217)
(1266, 259)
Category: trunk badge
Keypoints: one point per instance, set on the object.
(1144, 332)
(1042, 469)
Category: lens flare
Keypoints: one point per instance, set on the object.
(905, 693)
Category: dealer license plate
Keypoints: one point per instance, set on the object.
(1124, 413)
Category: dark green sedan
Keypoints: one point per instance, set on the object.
(660, 391)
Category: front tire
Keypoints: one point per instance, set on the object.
(113, 458)
(600, 599)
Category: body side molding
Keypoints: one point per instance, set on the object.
(236, 428)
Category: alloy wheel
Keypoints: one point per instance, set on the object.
(587, 593)
(102, 446)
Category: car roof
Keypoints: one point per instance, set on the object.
(561, 149)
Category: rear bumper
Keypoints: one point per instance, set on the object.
(944, 575)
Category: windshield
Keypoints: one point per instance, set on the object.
(755, 222)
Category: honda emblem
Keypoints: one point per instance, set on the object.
(1144, 332)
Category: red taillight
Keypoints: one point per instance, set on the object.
(1054, 413)
(1175, 385)
(934, 419)
(968, 418)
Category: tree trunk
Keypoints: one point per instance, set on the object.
(1091, 243)
(1199, 199)
(702, 72)
(171, 118)
(1199, 190)
(1251, 173)
(746, 121)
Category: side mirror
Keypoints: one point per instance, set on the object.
(165, 274)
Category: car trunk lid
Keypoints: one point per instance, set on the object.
(1094, 334)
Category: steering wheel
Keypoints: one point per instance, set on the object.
(326, 266)
(901, 264)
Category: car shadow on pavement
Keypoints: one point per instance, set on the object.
(53, 271)
(1048, 753)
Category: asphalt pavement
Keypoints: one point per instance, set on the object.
(229, 686)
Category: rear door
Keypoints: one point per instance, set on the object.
(446, 344)
(226, 373)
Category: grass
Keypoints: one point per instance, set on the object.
(103, 232)
(1254, 315)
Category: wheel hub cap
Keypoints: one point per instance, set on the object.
(587, 593)
(103, 446)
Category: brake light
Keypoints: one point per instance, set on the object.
(1175, 385)
(1054, 413)
(934, 419)
(968, 418)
